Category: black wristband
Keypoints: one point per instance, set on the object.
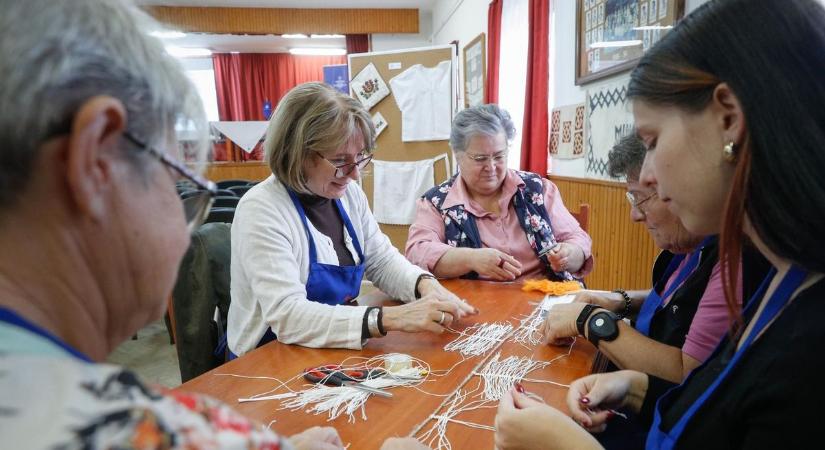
(365, 328)
(418, 280)
(582, 319)
(626, 310)
(381, 321)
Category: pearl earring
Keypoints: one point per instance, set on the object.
(728, 152)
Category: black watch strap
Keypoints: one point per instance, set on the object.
(582, 319)
(602, 326)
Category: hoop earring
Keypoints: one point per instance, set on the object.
(728, 152)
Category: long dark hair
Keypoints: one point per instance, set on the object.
(772, 55)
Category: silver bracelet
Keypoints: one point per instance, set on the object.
(372, 323)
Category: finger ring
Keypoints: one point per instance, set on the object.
(441, 321)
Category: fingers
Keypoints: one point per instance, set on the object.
(511, 261)
(511, 269)
(578, 400)
(526, 400)
(507, 404)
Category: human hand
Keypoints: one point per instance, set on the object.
(560, 323)
(495, 265)
(526, 423)
(592, 398)
(425, 314)
(610, 301)
(564, 256)
(317, 438)
(429, 287)
(403, 444)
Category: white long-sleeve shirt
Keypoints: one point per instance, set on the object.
(270, 267)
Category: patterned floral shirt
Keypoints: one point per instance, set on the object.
(55, 400)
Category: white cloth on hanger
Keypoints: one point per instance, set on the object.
(424, 96)
(398, 184)
(245, 134)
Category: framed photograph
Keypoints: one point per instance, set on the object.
(475, 72)
(617, 38)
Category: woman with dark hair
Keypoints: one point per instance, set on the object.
(731, 115)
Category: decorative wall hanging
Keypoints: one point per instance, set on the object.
(567, 135)
(368, 86)
(379, 122)
(608, 119)
(475, 72)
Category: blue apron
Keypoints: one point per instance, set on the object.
(326, 283)
(654, 302)
(657, 439)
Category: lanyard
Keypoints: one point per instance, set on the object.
(10, 317)
(789, 284)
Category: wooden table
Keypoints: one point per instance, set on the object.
(409, 409)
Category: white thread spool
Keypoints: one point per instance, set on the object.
(397, 362)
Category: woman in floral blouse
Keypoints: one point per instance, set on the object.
(491, 222)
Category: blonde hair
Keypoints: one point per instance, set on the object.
(312, 117)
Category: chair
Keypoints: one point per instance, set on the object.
(226, 193)
(240, 190)
(583, 216)
(190, 193)
(225, 215)
(225, 202)
(202, 288)
(226, 184)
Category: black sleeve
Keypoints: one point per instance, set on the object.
(656, 387)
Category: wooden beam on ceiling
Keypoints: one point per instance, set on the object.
(286, 20)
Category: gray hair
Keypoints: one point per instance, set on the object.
(626, 157)
(54, 56)
(489, 120)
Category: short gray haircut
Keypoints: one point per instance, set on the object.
(55, 56)
(626, 157)
(489, 120)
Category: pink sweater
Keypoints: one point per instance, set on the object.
(426, 241)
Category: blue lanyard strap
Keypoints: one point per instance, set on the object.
(777, 301)
(10, 317)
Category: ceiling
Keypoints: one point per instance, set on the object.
(223, 43)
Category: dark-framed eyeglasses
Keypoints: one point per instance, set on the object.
(195, 207)
(343, 170)
(483, 160)
(634, 203)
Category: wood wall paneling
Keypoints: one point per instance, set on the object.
(254, 171)
(286, 20)
(623, 250)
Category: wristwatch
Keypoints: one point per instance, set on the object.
(602, 327)
(582, 319)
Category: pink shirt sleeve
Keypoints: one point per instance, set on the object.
(565, 227)
(425, 241)
(712, 320)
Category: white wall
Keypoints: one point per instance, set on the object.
(384, 42)
(563, 54)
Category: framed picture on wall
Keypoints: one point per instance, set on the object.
(611, 35)
(475, 72)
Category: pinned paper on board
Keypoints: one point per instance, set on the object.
(379, 122)
(368, 86)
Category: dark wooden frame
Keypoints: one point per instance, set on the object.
(478, 40)
(677, 11)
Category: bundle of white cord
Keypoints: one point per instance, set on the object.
(479, 338)
(500, 376)
(436, 436)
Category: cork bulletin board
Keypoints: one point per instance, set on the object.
(389, 146)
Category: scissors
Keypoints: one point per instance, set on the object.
(335, 375)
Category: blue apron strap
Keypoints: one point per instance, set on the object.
(654, 300)
(350, 229)
(12, 318)
(313, 256)
(792, 280)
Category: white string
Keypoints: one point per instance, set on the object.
(500, 376)
(436, 436)
(478, 339)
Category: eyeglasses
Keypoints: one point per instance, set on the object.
(344, 169)
(195, 207)
(483, 160)
(631, 198)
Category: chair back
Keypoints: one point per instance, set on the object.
(240, 190)
(226, 184)
(225, 215)
(583, 216)
(226, 193)
(225, 202)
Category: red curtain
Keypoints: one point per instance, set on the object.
(493, 49)
(534, 130)
(358, 43)
(244, 80)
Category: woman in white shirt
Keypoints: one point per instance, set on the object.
(303, 239)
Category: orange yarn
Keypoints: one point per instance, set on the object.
(551, 287)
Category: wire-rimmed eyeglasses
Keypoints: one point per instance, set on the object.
(631, 198)
(195, 207)
(343, 170)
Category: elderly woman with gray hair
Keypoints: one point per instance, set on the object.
(491, 222)
(304, 238)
